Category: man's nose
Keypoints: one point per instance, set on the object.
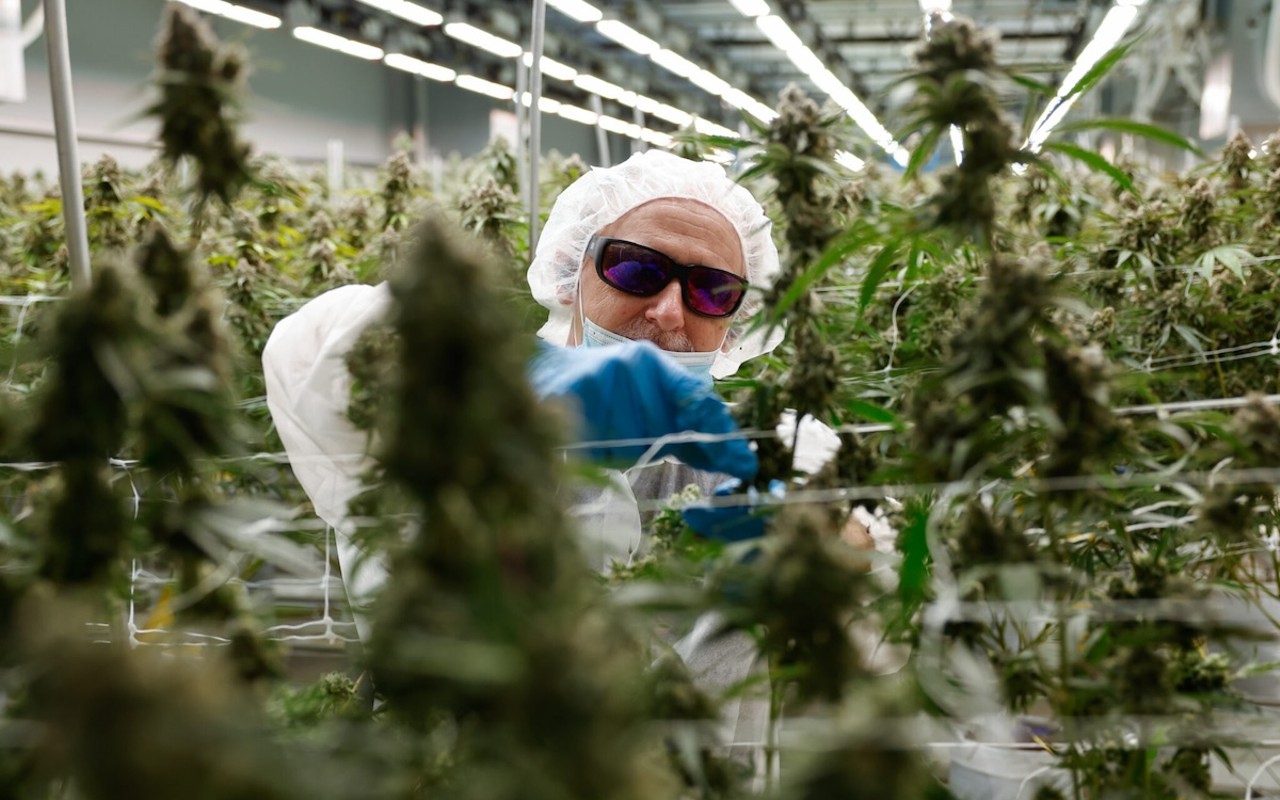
(666, 309)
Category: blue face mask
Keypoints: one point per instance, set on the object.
(698, 363)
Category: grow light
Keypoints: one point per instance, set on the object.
(628, 37)
(710, 82)
(849, 161)
(417, 66)
(780, 34)
(671, 114)
(668, 59)
(1113, 28)
(751, 8)
(234, 12)
(615, 125)
(709, 128)
(663, 111)
(576, 114)
(590, 83)
(656, 138)
(675, 63)
(418, 15)
(483, 39)
(545, 104)
(553, 68)
(342, 44)
(577, 9)
(481, 86)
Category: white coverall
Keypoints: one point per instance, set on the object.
(308, 390)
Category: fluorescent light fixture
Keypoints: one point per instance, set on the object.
(628, 37)
(849, 161)
(479, 85)
(549, 66)
(777, 30)
(483, 39)
(672, 114)
(1109, 33)
(590, 83)
(576, 114)
(761, 111)
(709, 128)
(577, 9)
(615, 125)
(340, 43)
(545, 104)
(675, 63)
(957, 144)
(710, 82)
(644, 104)
(419, 67)
(752, 8)
(234, 12)
(807, 62)
(657, 138)
(737, 98)
(403, 9)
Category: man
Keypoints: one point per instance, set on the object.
(661, 258)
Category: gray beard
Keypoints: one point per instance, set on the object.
(641, 329)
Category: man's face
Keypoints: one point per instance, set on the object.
(690, 233)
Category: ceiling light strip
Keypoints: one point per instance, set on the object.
(412, 12)
(1109, 33)
(628, 37)
(481, 86)
(552, 68)
(416, 66)
(235, 12)
(779, 33)
(476, 37)
(577, 10)
(341, 44)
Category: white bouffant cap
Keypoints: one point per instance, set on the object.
(601, 196)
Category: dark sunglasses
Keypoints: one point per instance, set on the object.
(642, 271)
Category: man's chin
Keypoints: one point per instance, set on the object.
(671, 342)
(678, 344)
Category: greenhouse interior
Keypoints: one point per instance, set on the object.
(942, 461)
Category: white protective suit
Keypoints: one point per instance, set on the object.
(308, 389)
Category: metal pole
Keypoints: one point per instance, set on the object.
(336, 164)
(639, 145)
(522, 132)
(602, 137)
(64, 124)
(535, 116)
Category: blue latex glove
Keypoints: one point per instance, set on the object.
(632, 391)
(732, 523)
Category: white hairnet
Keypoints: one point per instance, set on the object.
(602, 195)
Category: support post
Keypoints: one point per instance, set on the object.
(535, 117)
(64, 122)
(602, 136)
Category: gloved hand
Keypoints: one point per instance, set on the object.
(735, 523)
(632, 391)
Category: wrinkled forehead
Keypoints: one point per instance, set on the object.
(689, 231)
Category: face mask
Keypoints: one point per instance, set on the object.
(697, 363)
